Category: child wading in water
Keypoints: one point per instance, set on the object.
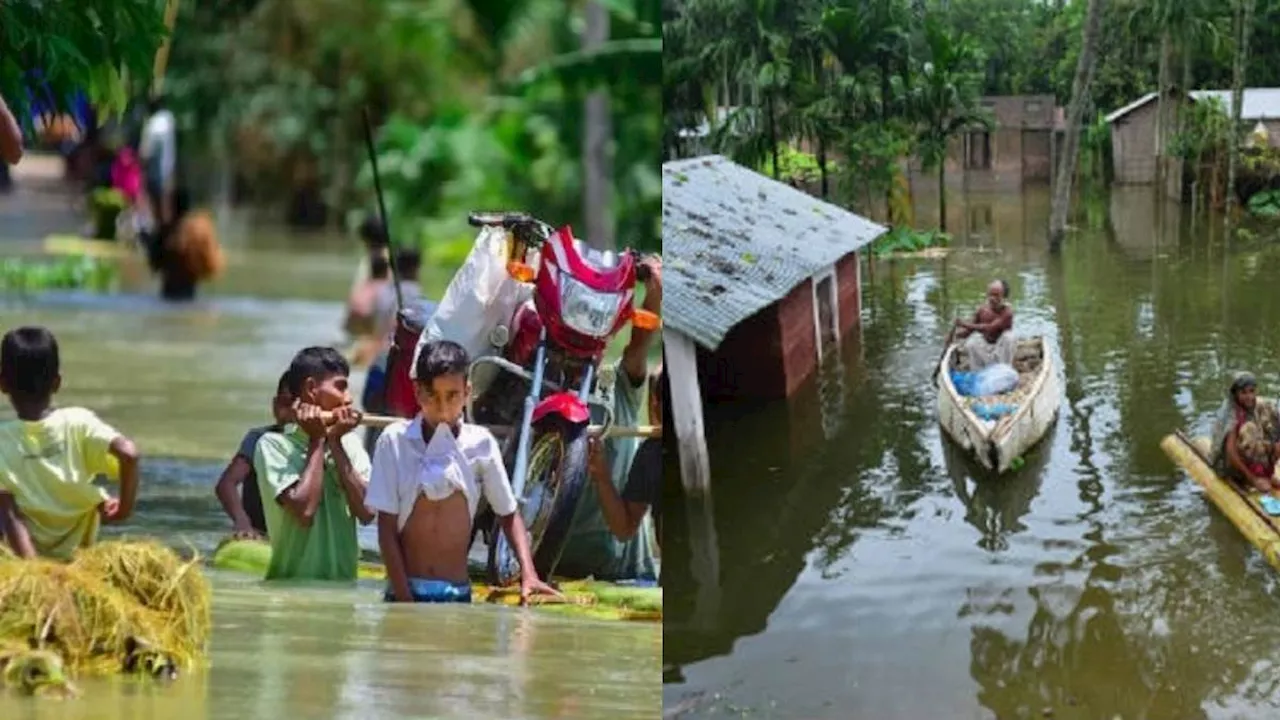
(49, 457)
(237, 488)
(312, 475)
(428, 475)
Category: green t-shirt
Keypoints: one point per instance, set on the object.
(592, 549)
(328, 550)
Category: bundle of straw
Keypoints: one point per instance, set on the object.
(152, 575)
(84, 619)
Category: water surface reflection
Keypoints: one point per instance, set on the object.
(880, 574)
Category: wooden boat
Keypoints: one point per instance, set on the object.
(999, 444)
(1239, 505)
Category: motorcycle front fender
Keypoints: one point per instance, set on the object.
(563, 404)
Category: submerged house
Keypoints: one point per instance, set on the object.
(1018, 149)
(762, 281)
(1135, 147)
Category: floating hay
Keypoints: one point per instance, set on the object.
(586, 598)
(72, 612)
(34, 672)
(153, 575)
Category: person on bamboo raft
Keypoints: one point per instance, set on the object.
(1246, 436)
(988, 337)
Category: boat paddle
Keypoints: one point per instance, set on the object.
(937, 366)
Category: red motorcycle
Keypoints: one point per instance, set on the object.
(538, 382)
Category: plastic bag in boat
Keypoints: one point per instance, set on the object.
(994, 380)
(480, 297)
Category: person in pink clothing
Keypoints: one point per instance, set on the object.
(126, 174)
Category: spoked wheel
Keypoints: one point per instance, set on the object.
(556, 476)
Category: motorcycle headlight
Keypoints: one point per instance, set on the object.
(585, 310)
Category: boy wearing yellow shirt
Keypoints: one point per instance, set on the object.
(49, 457)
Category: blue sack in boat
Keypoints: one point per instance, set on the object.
(1270, 503)
(993, 411)
(963, 381)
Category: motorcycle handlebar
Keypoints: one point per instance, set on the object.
(520, 220)
(643, 272)
(509, 221)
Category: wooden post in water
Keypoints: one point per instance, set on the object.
(704, 561)
(681, 358)
(686, 412)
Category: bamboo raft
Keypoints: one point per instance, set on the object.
(1239, 505)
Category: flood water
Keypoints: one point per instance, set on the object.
(866, 569)
(185, 382)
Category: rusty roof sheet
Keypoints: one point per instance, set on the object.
(735, 242)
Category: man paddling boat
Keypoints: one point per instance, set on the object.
(989, 336)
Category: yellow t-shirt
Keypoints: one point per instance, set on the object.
(49, 467)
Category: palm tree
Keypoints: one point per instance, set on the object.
(871, 42)
(946, 99)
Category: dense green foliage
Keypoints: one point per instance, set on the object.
(870, 81)
(478, 104)
(52, 49)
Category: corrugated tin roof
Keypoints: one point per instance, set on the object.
(1117, 114)
(735, 242)
(1259, 103)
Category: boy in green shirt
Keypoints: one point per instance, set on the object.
(313, 475)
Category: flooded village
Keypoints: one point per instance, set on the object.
(230, 237)
(831, 550)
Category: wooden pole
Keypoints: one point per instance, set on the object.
(686, 412)
(162, 55)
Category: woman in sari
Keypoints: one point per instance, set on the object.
(1246, 434)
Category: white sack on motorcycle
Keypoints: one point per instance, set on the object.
(480, 297)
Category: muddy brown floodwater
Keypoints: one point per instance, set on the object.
(186, 382)
(868, 570)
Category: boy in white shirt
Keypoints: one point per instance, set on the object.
(428, 475)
